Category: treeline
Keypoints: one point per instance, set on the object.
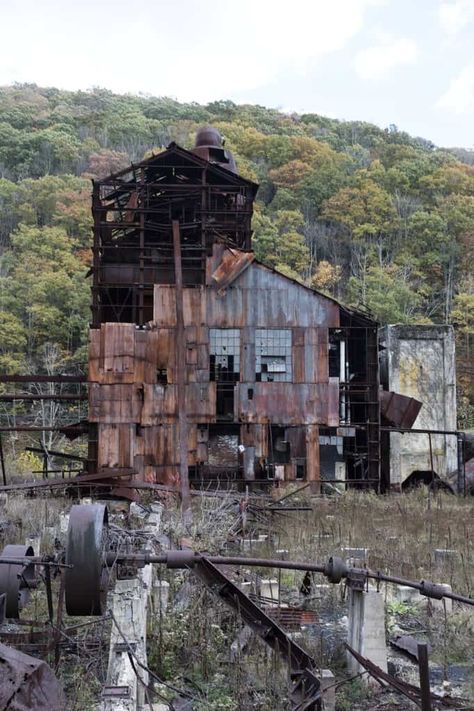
(374, 217)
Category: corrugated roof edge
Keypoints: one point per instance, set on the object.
(347, 309)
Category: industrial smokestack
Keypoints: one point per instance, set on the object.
(210, 146)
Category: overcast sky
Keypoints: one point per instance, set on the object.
(406, 62)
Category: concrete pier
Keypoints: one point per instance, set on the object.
(366, 631)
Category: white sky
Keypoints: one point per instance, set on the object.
(407, 62)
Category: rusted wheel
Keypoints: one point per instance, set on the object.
(87, 581)
(16, 579)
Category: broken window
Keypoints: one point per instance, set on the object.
(273, 355)
(225, 368)
(225, 354)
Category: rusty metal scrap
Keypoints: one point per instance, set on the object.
(16, 579)
(413, 693)
(399, 410)
(306, 689)
(289, 617)
(27, 683)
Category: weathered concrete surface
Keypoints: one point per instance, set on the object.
(366, 629)
(270, 591)
(446, 604)
(130, 606)
(329, 690)
(408, 595)
(419, 361)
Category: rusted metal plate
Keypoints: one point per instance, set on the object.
(291, 618)
(313, 465)
(399, 410)
(160, 404)
(115, 404)
(27, 683)
(116, 445)
(164, 306)
(296, 437)
(233, 263)
(287, 403)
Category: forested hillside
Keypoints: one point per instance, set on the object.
(374, 217)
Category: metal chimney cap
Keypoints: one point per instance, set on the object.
(208, 136)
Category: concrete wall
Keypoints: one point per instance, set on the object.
(420, 363)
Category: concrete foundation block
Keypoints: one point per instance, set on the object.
(328, 689)
(51, 532)
(366, 629)
(408, 595)
(445, 558)
(356, 557)
(138, 510)
(444, 604)
(270, 590)
(153, 520)
(249, 543)
(246, 587)
(63, 523)
(161, 594)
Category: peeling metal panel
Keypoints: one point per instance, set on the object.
(399, 410)
(164, 306)
(233, 263)
(114, 403)
(160, 404)
(313, 469)
(284, 403)
(117, 443)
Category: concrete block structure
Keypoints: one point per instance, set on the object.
(419, 362)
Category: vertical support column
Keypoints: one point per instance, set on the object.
(313, 468)
(366, 630)
(2, 462)
(141, 202)
(424, 677)
(96, 316)
(180, 377)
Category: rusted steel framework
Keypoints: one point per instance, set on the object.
(359, 398)
(133, 243)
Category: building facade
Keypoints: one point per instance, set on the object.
(203, 357)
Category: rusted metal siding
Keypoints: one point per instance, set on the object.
(259, 297)
(287, 403)
(313, 469)
(117, 445)
(133, 372)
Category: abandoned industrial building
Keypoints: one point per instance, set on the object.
(276, 380)
(198, 352)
